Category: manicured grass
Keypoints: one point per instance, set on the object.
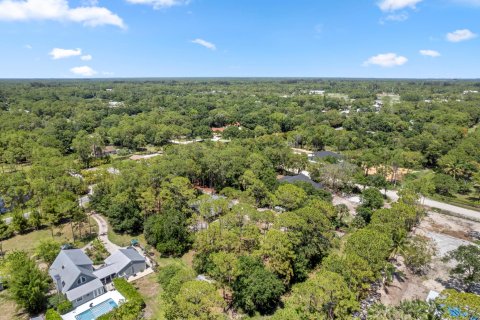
(28, 242)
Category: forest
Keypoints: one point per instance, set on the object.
(214, 187)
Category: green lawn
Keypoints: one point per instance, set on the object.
(123, 240)
(152, 291)
(29, 241)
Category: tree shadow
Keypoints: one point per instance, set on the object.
(460, 285)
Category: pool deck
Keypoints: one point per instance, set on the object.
(114, 295)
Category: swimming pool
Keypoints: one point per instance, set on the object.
(97, 311)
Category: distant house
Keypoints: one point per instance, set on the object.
(109, 150)
(220, 130)
(123, 263)
(301, 178)
(74, 275)
(324, 154)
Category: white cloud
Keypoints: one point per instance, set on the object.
(58, 10)
(460, 35)
(84, 71)
(386, 60)
(394, 5)
(86, 57)
(158, 4)
(430, 53)
(205, 44)
(58, 53)
(28, 46)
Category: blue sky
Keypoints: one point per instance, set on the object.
(237, 38)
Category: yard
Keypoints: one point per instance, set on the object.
(124, 240)
(8, 309)
(151, 291)
(29, 241)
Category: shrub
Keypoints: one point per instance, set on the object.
(64, 307)
(130, 310)
(51, 314)
(128, 291)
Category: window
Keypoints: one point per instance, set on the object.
(63, 283)
(79, 299)
(81, 280)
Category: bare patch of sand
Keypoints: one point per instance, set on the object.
(449, 233)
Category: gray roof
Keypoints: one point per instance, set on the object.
(68, 265)
(324, 154)
(106, 271)
(84, 289)
(118, 261)
(302, 178)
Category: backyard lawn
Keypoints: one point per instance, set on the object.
(151, 291)
(123, 240)
(29, 241)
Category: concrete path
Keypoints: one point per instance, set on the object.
(103, 233)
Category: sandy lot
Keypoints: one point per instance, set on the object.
(448, 233)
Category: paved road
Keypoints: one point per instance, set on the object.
(103, 233)
(468, 213)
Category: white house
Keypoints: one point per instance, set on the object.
(74, 275)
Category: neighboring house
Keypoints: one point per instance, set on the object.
(123, 263)
(323, 154)
(109, 150)
(74, 275)
(301, 178)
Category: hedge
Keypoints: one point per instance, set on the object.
(52, 314)
(130, 310)
(64, 307)
(128, 291)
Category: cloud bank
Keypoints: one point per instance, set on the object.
(58, 10)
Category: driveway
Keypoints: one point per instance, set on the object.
(103, 233)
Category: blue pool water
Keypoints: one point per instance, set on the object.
(97, 311)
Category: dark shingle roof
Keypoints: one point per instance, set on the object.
(302, 178)
(324, 154)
